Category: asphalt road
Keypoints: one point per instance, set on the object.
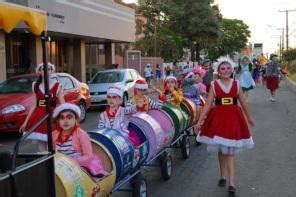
(268, 170)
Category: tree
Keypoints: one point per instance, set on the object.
(290, 55)
(235, 34)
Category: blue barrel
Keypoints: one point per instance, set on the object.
(127, 157)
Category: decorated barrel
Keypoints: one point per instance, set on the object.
(157, 138)
(186, 120)
(72, 180)
(191, 110)
(126, 156)
(176, 115)
(165, 122)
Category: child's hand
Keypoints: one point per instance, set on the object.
(251, 122)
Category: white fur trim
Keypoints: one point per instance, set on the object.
(224, 59)
(48, 64)
(226, 89)
(115, 90)
(242, 143)
(66, 106)
(141, 86)
(170, 78)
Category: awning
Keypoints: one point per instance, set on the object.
(11, 15)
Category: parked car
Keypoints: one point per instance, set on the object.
(102, 80)
(16, 98)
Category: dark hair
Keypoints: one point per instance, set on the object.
(67, 110)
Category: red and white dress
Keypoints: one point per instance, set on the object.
(225, 129)
(40, 133)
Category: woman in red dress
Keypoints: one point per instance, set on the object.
(225, 129)
(38, 108)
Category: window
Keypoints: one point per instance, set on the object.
(135, 75)
(66, 82)
(129, 76)
(107, 77)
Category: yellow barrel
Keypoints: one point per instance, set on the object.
(72, 180)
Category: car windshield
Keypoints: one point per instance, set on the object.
(17, 85)
(108, 77)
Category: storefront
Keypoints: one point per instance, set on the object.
(81, 32)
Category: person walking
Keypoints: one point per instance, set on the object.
(38, 107)
(246, 80)
(225, 129)
(272, 73)
(148, 73)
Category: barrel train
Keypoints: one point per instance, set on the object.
(157, 131)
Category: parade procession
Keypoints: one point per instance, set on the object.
(153, 123)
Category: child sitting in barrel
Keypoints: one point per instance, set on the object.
(191, 89)
(140, 99)
(171, 94)
(71, 140)
(114, 115)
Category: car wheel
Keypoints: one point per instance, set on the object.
(83, 109)
(124, 99)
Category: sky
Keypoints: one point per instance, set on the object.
(263, 18)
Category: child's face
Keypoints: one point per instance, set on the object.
(140, 92)
(206, 66)
(225, 70)
(198, 79)
(245, 61)
(171, 84)
(113, 100)
(67, 120)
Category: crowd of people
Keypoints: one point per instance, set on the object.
(221, 125)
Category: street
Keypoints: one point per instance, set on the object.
(267, 170)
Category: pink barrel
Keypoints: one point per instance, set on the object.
(155, 135)
(165, 122)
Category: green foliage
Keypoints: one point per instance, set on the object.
(235, 34)
(289, 55)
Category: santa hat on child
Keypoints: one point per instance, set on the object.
(141, 84)
(66, 107)
(165, 81)
(49, 65)
(115, 90)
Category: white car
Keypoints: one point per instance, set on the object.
(102, 80)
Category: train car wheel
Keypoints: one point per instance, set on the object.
(140, 186)
(185, 147)
(166, 166)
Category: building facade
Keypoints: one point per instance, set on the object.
(86, 36)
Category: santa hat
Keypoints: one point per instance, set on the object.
(141, 84)
(115, 90)
(66, 107)
(49, 65)
(222, 60)
(168, 78)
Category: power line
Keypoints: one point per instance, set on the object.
(287, 25)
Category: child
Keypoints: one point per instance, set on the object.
(272, 73)
(246, 80)
(171, 93)
(199, 75)
(38, 108)
(225, 129)
(114, 116)
(191, 89)
(140, 99)
(71, 140)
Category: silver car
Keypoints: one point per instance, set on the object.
(102, 80)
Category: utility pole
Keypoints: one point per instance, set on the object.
(287, 25)
(282, 41)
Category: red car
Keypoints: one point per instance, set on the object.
(16, 98)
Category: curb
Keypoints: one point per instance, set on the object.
(291, 81)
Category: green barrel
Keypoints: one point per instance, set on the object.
(186, 120)
(186, 114)
(177, 116)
